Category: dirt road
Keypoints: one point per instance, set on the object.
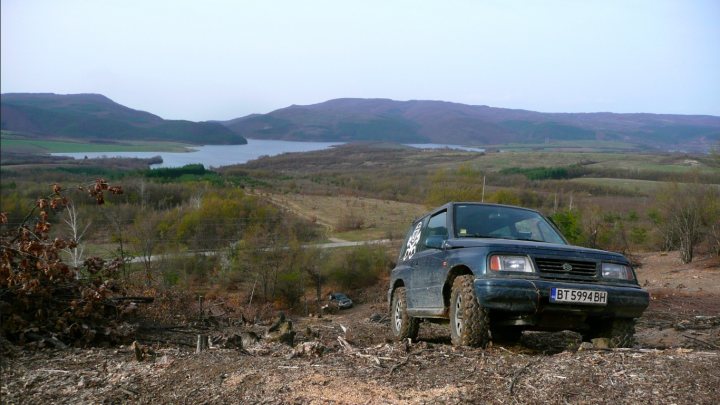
(676, 361)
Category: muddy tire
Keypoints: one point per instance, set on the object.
(403, 325)
(620, 332)
(469, 321)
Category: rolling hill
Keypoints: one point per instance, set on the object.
(94, 117)
(418, 121)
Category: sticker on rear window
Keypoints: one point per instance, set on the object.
(413, 242)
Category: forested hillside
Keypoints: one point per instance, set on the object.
(419, 121)
(95, 117)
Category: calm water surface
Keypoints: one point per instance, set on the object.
(215, 155)
(225, 155)
(444, 146)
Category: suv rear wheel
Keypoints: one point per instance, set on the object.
(403, 325)
(469, 321)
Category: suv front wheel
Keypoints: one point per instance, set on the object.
(469, 321)
(620, 331)
(403, 325)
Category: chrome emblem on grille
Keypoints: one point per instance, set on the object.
(567, 267)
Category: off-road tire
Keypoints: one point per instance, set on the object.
(469, 321)
(403, 326)
(620, 331)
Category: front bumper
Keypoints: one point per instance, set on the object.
(528, 297)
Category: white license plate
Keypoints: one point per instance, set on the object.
(578, 296)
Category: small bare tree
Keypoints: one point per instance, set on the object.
(259, 254)
(594, 225)
(714, 223)
(77, 232)
(145, 238)
(118, 221)
(687, 216)
(312, 267)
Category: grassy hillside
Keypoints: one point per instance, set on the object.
(97, 118)
(443, 122)
(349, 217)
(13, 143)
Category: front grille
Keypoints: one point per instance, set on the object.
(566, 268)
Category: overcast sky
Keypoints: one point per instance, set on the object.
(203, 60)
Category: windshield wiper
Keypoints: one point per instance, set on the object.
(477, 235)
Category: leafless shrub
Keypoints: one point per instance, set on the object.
(690, 215)
(41, 296)
(349, 222)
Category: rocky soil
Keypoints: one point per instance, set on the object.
(347, 358)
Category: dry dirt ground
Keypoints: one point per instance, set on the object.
(676, 361)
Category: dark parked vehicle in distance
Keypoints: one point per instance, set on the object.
(342, 300)
(493, 271)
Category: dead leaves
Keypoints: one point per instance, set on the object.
(97, 190)
(43, 293)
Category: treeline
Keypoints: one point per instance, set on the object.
(195, 229)
(682, 217)
(431, 185)
(172, 233)
(175, 172)
(602, 215)
(679, 216)
(577, 171)
(268, 264)
(546, 173)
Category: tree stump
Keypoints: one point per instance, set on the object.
(202, 343)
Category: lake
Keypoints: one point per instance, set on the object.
(215, 155)
(225, 155)
(444, 146)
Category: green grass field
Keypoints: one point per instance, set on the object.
(631, 185)
(637, 186)
(10, 142)
(634, 162)
(577, 145)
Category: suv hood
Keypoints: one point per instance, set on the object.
(535, 248)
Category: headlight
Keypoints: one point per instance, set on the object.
(511, 263)
(618, 271)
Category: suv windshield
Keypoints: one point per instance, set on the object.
(491, 221)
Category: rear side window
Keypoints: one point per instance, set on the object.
(412, 240)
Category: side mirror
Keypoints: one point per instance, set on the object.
(435, 241)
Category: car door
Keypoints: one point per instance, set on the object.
(428, 270)
(407, 261)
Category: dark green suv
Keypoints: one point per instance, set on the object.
(496, 270)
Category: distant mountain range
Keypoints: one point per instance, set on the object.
(94, 117)
(352, 119)
(97, 118)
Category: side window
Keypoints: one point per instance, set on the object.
(411, 241)
(548, 234)
(528, 229)
(437, 226)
